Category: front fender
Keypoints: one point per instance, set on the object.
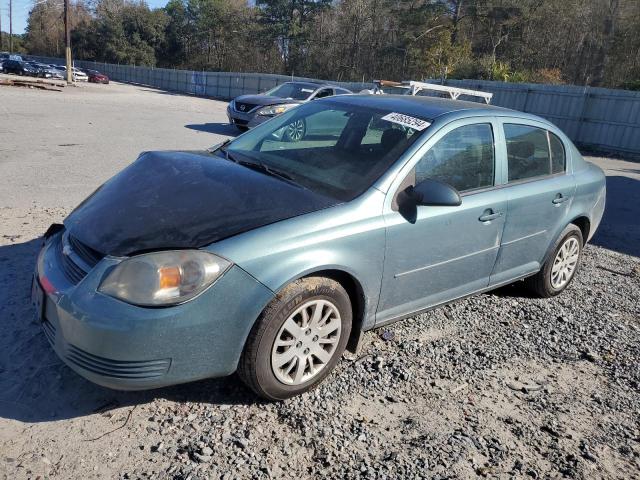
(349, 238)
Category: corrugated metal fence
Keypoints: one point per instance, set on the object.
(596, 118)
(223, 85)
(601, 119)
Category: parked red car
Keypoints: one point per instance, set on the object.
(97, 77)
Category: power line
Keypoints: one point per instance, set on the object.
(10, 26)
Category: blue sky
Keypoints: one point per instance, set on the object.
(21, 12)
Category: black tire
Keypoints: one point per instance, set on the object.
(255, 367)
(541, 282)
(242, 128)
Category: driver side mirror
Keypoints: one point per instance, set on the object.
(434, 193)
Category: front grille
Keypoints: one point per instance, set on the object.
(72, 271)
(115, 368)
(245, 107)
(76, 258)
(49, 331)
(88, 254)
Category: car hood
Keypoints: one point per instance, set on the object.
(264, 100)
(168, 200)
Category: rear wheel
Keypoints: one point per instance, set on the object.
(298, 339)
(560, 268)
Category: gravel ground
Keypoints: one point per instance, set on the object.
(501, 385)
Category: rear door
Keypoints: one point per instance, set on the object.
(436, 254)
(540, 189)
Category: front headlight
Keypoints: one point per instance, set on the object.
(163, 278)
(276, 109)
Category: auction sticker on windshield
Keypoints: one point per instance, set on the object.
(406, 121)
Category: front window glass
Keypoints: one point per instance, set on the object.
(329, 147)
(295, 91)
(527, 152)
(463, 158)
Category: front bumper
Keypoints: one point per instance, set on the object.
(246, 120)
(125, 347)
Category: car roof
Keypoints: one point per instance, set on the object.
(315, 85)
(426, 107)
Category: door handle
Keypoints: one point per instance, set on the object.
(489, 215)
(559, 199)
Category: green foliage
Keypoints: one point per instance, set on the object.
(550, 41)
(499, 71)
(18, 43)
(128, 33)
(442, 57)
(631, 85)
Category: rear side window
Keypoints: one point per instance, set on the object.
(558, 158)
(463, 158)
(327, 92)
(527, 152)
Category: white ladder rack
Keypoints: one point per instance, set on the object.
(415, 87)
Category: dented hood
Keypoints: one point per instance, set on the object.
(184, 200)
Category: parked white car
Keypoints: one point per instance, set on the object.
(78, 75)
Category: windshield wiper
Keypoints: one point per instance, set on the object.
(273, 172)
(222, 147)
(254, 165)
(219, 146)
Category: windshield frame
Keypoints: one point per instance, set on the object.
(379, 168)
(271, 92)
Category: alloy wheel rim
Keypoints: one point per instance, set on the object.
(296, 130)
(306, 342)
(565, 263)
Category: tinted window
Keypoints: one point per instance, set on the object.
(333, 148)
(327, 92)
(296, 91)
(463, 158)
(527, 151)
(558, 159)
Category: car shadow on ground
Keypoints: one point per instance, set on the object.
(620, 226)
(36, 386)
(217, 128)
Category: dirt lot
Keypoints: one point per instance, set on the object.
(501, 385)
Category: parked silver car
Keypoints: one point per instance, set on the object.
(247, 111)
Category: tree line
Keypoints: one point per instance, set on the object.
(584, 42)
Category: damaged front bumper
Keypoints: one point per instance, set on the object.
(126, 347)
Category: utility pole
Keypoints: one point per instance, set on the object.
(67, 39)
(10, 26)
(1, 43)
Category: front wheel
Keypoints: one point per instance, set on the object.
(560, 268)
(295, 131)
(298, 339)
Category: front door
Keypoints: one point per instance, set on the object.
(436, 254)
